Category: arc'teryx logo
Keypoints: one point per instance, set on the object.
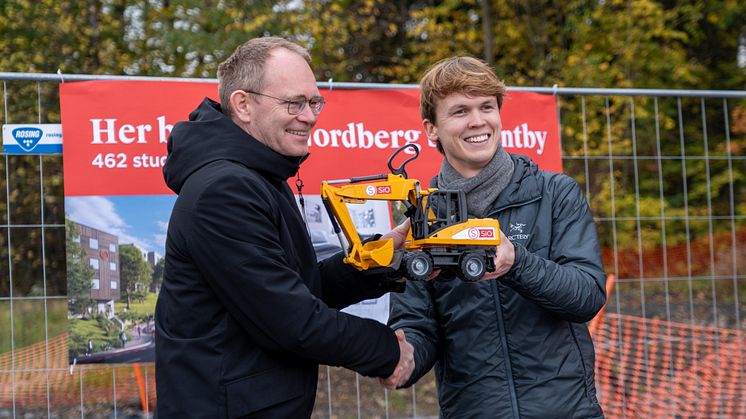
(517, 227)
(516, 230)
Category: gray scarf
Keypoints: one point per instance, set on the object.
(481, 190)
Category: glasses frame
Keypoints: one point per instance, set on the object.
(303, 102)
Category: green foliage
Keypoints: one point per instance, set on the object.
(439, 31)
(135, 275)
(354, 40)
(46, 35)
(615, 43)
(79, 272)
(138, 310)
(190, 38)
(103, 334)
(28, 322)
(612, 43)
(629, 44)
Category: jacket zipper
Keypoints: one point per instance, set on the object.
(506, 354)
(501, 324)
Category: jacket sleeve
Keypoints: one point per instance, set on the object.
(571, 283)
(343, 285)
(414, 312)
(235, 241)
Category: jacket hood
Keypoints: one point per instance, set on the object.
(209, 136)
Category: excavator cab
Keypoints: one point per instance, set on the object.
(443, 208)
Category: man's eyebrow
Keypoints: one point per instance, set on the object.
(489, 101)
(455, 107)
(302, 97)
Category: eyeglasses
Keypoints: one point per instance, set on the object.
(296, 106)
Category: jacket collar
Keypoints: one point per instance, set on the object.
(524, 186)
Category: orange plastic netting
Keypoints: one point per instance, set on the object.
(87, 385)
(654, 369)
(644, 368)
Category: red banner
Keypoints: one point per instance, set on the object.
(115, 133)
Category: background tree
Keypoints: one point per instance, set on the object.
(79, 272)
(190, 38)
(158, 269)
(354, 40)
(135, 275)
(614, 43)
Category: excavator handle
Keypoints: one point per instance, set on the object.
(400, 170)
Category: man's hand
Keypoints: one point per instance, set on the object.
(504, 258)
(404, 368)
(398, 234)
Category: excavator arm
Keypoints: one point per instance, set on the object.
(391, 187)
(441, 234)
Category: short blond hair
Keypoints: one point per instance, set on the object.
(244, 69)
(460, 74)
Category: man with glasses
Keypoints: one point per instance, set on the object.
(246, 314)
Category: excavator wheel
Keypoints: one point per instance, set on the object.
(418, 265)
(472, 267)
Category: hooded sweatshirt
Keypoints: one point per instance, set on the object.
(245, 313)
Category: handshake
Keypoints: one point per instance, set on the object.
(404, 368)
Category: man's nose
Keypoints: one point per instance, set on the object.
(307, 115)
(476, 119)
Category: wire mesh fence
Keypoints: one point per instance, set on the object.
(664, 172)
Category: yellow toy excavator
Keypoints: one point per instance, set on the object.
(441, 236)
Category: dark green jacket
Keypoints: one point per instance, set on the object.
(517, 346)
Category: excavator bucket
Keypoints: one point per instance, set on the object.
(380, 252)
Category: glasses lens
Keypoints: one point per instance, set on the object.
(316, 104)
(296, 106)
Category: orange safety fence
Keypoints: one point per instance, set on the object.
(657, 369)
(644, 368)
(87, 384)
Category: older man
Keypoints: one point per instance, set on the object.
(245, 314)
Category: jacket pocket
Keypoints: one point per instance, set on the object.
(261, 391)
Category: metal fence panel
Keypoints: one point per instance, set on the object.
(664, 171)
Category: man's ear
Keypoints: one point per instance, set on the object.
(430, 130)
(242, 106)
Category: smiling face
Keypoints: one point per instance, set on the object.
(468, 129)
(288, 76)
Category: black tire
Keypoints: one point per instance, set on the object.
(472, 267)
(418, 266)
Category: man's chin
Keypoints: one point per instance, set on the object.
(298, 153)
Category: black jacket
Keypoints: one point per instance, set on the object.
(517, 346)
(243, 317)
